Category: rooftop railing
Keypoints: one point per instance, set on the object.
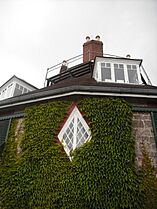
(55, 69)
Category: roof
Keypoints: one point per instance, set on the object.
(14, 76)
(78, 80)
(120, 58)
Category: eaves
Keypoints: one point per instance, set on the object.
(78, 90)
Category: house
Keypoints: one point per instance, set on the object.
(99, 76)
(15, 86)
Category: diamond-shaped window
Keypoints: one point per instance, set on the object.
(75, 131)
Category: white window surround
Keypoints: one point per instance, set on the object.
(7, 89)
(97, 74)
(75, 132)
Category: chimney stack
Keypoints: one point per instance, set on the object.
(92, 48)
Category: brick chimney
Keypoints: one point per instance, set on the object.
(92, 48)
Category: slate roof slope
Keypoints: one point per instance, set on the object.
(74, 82)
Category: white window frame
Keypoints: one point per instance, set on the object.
(74, 114)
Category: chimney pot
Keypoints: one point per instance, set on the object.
(87, 38)
(97, 38)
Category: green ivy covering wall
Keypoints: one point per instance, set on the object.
(101, 174)
(105, 175)
(34, 180)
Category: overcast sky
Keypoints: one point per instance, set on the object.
(37, 34)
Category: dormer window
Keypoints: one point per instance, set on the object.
(75, 132)
(117, 70)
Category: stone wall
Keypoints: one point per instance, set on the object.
(144, 136)
(19, 133)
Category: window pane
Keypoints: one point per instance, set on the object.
(21, 88)
(105, 71)
(25, 90)
(70, 146)
(115, 65)
(64, 136)
(67, 140)
(103, 65)
(105, 74)
(81, 133)
(108, 65)
(128, 67)
(86, 135)
(70, 135)
(71, 125)
(119, 74)
(83, 130)
(134, 67)
(4, 125)
(68, 130)
(154, 119)
(133, 78)
(79, 125)
(17, 85)
(17, 92)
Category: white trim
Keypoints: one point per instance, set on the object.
(119, 60)
(120, 81)
(80, 93)
(75, 126)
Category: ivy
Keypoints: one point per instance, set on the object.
(35, 181)
(101, 174)
(149, 180)
(8, 165)
(105, 174)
